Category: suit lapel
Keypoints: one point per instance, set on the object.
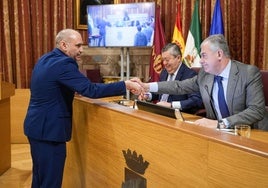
(232, 83)
(163, 75)
(206, 86)
(180, 72)
(209, 83)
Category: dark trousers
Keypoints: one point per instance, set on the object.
(48, 163)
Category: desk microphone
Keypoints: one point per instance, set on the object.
(215, 112)
(211, 103)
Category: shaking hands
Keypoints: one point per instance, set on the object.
(136, 86)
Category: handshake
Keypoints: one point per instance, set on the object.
(136, 86)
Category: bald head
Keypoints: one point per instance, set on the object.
(66, 35)
(70, 42)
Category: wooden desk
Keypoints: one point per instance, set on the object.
(6, 91)
(179, 154)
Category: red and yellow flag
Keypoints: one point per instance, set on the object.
(158, 43)
(177, 33)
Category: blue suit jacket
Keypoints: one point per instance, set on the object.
(55, 78)
(190, 103)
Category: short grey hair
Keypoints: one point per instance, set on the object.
(216, 42)
(173, 49)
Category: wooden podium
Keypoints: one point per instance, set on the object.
(6, 91)
(117, 146)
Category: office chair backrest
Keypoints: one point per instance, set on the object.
(264, 74)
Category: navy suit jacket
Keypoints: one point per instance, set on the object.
(190, 103)
(55, 79)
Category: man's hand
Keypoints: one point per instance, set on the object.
(144, 85)
(164, 103)
(134, 87)
(205, 122)
(144, 96)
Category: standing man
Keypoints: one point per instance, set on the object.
(140, 38)
(102, 23)
(232, 92)
(48, 122)
(148, 31)
(174, 69)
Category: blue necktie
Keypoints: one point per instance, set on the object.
(221, 99)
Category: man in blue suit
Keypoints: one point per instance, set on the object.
(48, 122)
(174, 69)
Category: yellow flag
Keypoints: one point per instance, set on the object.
(177, 33)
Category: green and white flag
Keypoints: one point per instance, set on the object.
(191, 53)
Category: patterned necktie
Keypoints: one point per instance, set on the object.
(221, 99)
(164, 97)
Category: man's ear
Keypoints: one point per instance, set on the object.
(63, 45)
(220, 53)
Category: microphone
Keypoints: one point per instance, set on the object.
(212, 103)
(215, 113)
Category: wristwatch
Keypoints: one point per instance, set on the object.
(223, 124)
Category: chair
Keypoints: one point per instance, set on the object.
(264, 75)
(263, 124)
(94, 75)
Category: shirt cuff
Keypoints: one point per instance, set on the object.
(153, 87)
(176, 104)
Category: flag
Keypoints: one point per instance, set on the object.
(177, 33)
(192, 48)
(158, 43)
(217, 23)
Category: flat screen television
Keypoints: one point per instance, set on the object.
(121, 25)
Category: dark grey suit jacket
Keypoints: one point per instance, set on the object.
(245, 98)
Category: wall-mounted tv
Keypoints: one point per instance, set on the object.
(121, 25)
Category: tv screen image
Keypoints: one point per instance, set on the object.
(121, 25)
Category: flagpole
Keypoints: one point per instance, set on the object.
(122, 64)
(128, 72)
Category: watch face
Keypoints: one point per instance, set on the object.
(221, 125)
